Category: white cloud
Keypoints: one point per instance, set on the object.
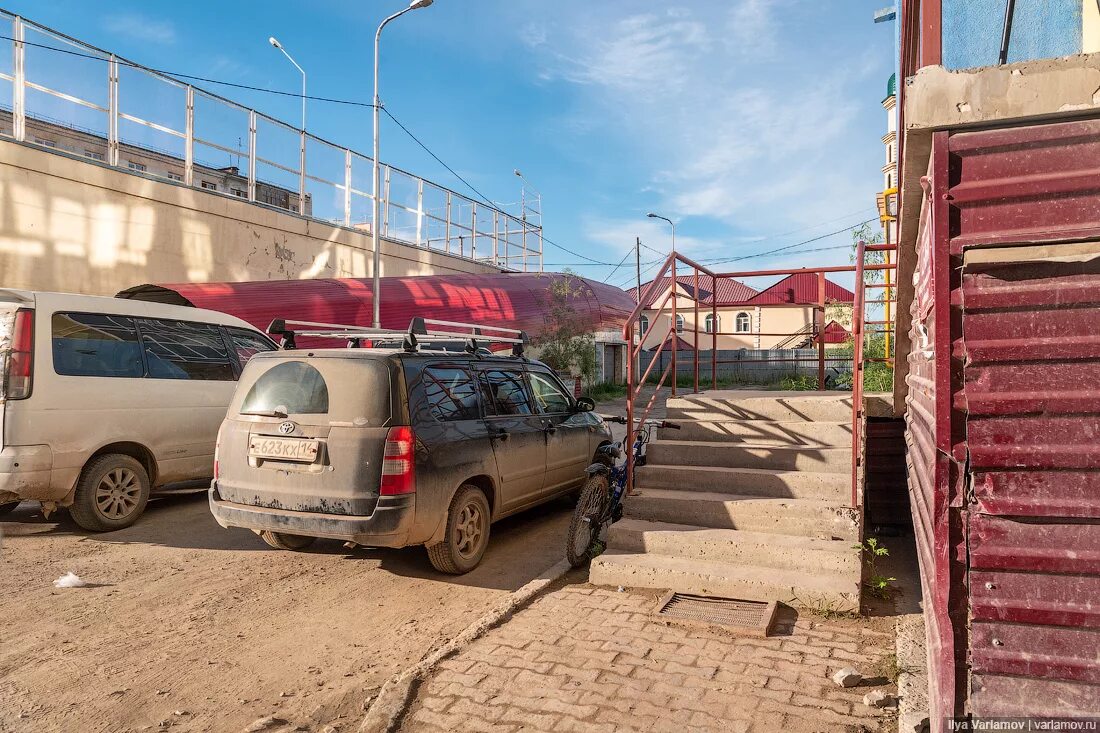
(744, 120)
(140, 28)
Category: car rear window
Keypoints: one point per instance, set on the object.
(293, 388)
(451, 394)
(353, 390)
(94, 345)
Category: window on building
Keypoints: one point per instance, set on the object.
(175, 177)
(45, 143)
(210, 186)
(238, 193)
(94, 155)
(549, 396)
(94, 345)
(135, 166)
(679, 324)
(184, 350)
(451, 394)
(743, 323)
(506, 393)
(643, 325)
(713, 324)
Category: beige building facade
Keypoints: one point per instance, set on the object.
(76, 225)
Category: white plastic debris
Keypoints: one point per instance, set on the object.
(879, 699)
(847, 677)
(69, 580)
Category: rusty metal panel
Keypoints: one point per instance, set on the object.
(1025, 184)
(1027, 411)
(934, 479)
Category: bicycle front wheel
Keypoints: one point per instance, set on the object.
(584, 528)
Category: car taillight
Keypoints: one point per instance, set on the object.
(20, 364)
(398, 476)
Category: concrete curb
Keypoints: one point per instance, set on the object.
(912, 662)
(395, 697)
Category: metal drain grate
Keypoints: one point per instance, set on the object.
(753, 616)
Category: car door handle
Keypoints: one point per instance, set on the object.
(500, 434)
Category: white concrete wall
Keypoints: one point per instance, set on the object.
(76, 226)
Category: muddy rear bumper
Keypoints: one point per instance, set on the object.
(388, 526)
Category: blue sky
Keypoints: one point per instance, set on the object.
(753, 123)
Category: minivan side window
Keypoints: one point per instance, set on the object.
(292, 387)
(549, 397)
(451, 394)
(185, 350)
(247, 343)
(507, 391)
(95, 345)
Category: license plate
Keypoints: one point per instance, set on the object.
(284, 449)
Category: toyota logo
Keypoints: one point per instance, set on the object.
(286, 428)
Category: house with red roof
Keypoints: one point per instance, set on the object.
(738, 316)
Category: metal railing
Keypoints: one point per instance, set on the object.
(666, 277)
(68, 96)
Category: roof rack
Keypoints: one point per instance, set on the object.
(419, 329)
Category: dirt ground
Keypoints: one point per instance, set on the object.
(191, 627)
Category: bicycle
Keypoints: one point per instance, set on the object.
(600, 503)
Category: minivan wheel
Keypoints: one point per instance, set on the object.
(283, 541)
(467, 533)
(111, 494)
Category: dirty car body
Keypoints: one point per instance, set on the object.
(372, 445)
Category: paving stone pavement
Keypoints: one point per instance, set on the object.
(583, 658)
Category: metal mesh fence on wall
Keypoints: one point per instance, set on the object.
(754, 366)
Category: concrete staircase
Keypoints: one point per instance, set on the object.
(749, 499)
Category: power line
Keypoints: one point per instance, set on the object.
(789, 246)
(628, 253)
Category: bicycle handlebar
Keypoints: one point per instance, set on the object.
(652, 423)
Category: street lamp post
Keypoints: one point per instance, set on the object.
(376, 286)
(302, 145)
(670, 222)
(523, 215)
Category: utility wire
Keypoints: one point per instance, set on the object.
(628, 253)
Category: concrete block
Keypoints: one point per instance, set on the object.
(763, 482)
(776, 457)
(762, 432)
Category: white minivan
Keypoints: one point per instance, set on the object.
(103, 399)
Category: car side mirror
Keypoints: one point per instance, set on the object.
(585, 404)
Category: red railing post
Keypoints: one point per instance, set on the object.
(696, 286)
(819, 316)
(675, 332)
(857, 369)
(714, 332)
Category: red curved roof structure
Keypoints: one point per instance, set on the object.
(513, 300)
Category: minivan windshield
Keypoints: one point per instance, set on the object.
(336, 389)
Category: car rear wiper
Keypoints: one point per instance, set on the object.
(265, 413)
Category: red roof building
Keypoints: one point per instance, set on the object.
(801, 289)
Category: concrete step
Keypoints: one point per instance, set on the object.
(804, 517)
(761, 549)
(733, 455)
(728, 406)
(817, 590)
(747, 482)
(762, 432)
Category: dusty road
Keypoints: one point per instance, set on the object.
(191, 627)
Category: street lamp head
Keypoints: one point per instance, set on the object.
(417, 4)
(275, 42)
(516, 171)
(651, 215)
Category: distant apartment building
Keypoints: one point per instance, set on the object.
(138, 159)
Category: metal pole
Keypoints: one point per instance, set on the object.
(377, 265)
(675, 333)
(820, 318)
(696, 284)
(19, 75)
(252, 155)
(112, 111)
(347, 188)
(638, 277)
(714, 334)
(189, 140)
